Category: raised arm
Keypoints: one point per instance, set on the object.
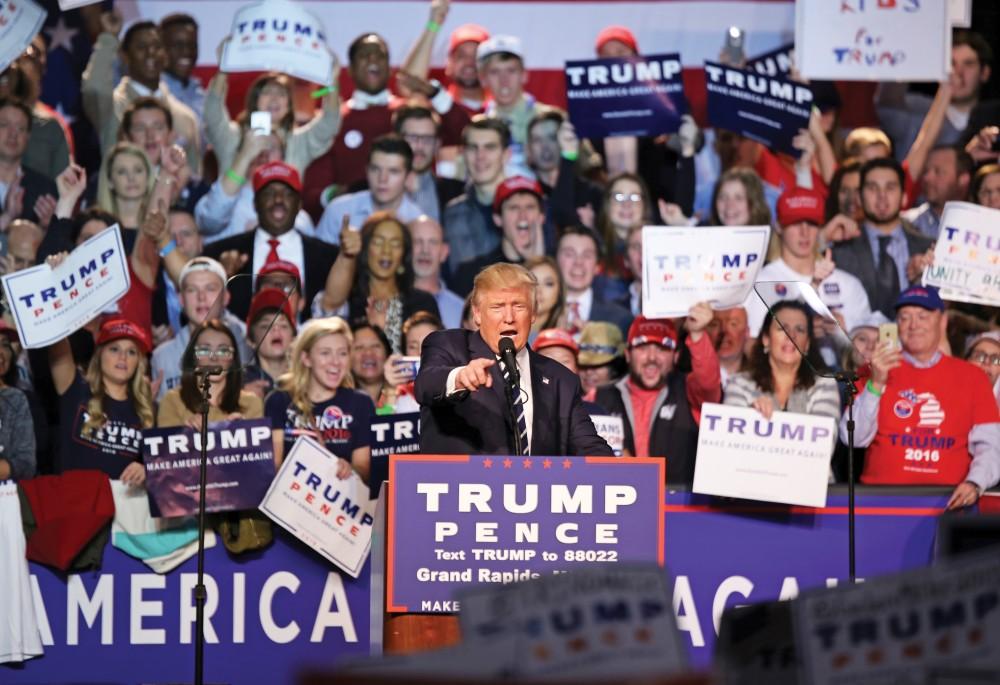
(929, 130)
(341, 277)
(418, 59)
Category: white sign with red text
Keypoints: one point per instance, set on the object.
(48, 304)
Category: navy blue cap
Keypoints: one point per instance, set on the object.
(920, 296)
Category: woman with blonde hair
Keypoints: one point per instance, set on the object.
(316, 398)
(103, 411)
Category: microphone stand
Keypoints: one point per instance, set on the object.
(203, 375)
(849, 380)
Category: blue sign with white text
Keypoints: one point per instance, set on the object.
(768, 109)
(625, 96)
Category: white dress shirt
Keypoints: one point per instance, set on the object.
(289, 250)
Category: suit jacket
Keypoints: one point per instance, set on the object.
(35, 185)
(855, 256)
(479, 422)
(318, 257)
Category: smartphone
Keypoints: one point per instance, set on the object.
(734, 46)
(888, 332)
(408, 367)
(260, 123)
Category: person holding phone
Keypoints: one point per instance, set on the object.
(925, 417)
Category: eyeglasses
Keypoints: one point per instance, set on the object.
(205, 352)
(622, 198)
(415, 139)
(985, 359)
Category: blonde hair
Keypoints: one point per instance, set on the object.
(505, 276)
(296, 381)
(138, 391)
(105, 195)
(865, 136)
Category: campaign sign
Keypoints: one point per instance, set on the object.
(333, 516)
(602, 620)
(869, 40)
(278, 35)
(612, 429)
(768, 109)
(48, 304)
(897, 628)
(967, 253)
(774, 63)
(460, 520)
(66, 5)
(392, 434)
(240, 466)
(625, 96)
(785, 459)
(682, 266)
(20, 22)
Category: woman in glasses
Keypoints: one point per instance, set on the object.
(626, 204)
(984, 352)
(317, 399)
(211, 344)
(778, 378)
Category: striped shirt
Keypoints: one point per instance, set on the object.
(822, 399)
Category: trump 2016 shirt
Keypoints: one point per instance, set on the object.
(924, 419)
(342, 423)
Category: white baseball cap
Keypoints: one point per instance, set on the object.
(497, 44)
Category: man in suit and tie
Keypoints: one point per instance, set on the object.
(889, 254)
(277, 191)
(461, 385)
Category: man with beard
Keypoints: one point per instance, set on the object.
(889, 254)
(517, 208)
(946, 178)
(430, 251)
(389, 164)
(553, 148)
(460, 66)
(418, 125)
(660, 406)
(364, 117)
(144, 60)
(277, 198)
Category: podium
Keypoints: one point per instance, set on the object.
(445, 522)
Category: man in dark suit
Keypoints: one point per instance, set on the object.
(889, 254)
(277, 198)
(22, 187)
(587, 295)
(461, 385)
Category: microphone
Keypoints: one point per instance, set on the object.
(202, 371)
(509, 356)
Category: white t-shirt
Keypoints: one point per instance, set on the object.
(840, 291)
(20, 638)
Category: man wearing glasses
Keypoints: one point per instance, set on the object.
(203, 297)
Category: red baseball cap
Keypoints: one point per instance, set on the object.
(801, 204)
(467, 33)
(619, 33)
(280, 266)
(658, 331)
(277, 171)
(115, 329)
(516, 184)
(270, 298)
(555, 337)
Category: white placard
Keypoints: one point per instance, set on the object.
(66, 5)
(48, 304)
(279, 35)
(20, 22)
(869, 40)
(331, 515)
(960, 12)
(967, 254)
(682, 266)
(642, 640)
(896, 629)
(742, 454)
(612, 429)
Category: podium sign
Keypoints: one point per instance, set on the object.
(459, 520)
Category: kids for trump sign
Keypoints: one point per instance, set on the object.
(768, 109)
(48, 304)
(278, 35)
(873, 40)
(334, 516)
(637, 96)
(682, 266)
(783, 459)
(459, 520)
